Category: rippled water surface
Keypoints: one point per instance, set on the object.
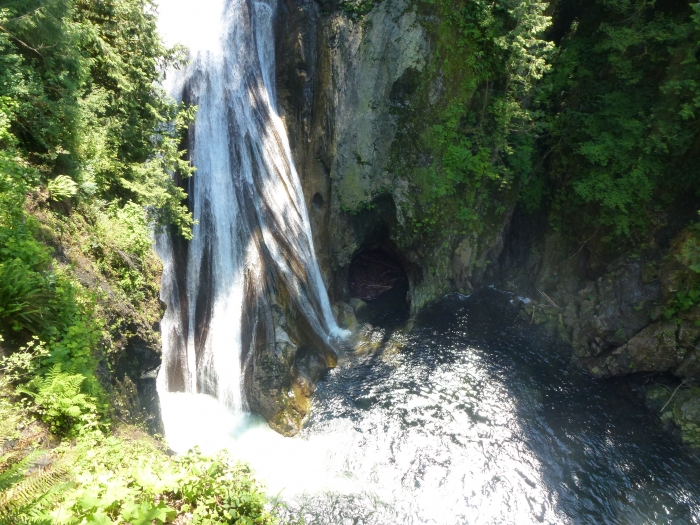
(477, 419)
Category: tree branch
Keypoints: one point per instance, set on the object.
(20, 41)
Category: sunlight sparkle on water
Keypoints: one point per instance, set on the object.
(435, 474)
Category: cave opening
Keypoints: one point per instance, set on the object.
(317, 201)
(379, 279)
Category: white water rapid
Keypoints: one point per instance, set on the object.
(253, 234)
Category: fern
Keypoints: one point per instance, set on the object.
(18, 519)
(16, 471)
(59, 401)
(22, 496)
(24, 297)
(62, 187)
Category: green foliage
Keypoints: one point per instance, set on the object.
(21, 366)
(56, 396)
(11, 417)
(601, 130)
(79, 90)
(357, 9)
(88, 142)
(62, 187)
(15, 472)
(124, 478)
(22, 495)
(220, 491)
(622, 103)
(126, 481)
(687, 278)
(690, 253)
(24, 297)
(25, 287)
(123, 249)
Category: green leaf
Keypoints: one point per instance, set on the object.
(144, 513)
(99, 518)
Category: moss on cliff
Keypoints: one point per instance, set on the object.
(463, 136)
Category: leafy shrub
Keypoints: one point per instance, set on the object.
(56, 396)
(24, 298)
(686, 280)
(132, 481)
(690, 253)
(22, 365)
(479, 136)
(622, 120)
(123, 248)
(91, 109)
(357, 9)
(218, 490)
(25, 288)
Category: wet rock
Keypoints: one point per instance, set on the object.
(345, 315)
(678, 406)
(286, 364)
(613, 321)
(653, 349)
(134, 381)
(357, 304)
(689, 341)
(395, 343)
(611, 310)
(368, 339)
(294, 405)
(344, 85)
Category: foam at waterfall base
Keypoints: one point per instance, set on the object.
(283, 465)
(329, 464)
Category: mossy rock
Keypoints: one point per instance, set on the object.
(294, 410)
(682, 410)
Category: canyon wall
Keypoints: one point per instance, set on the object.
(359, 90)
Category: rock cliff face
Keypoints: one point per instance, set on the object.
(612, 312)
(346, 87)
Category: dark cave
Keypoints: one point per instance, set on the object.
(374, 273)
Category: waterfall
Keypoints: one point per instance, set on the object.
(253, 235)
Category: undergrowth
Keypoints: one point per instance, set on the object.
(120, 477)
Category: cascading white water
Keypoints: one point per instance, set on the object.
(246, 197)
